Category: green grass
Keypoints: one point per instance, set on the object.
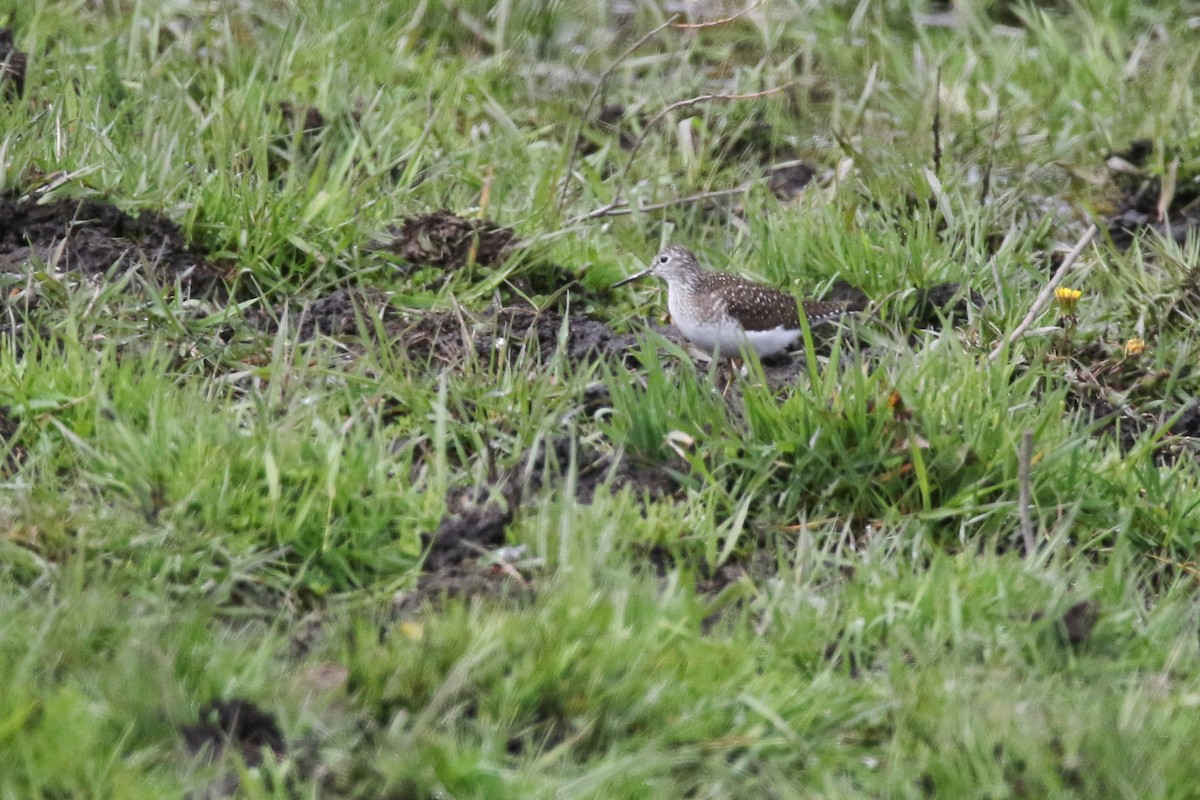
(199, 504)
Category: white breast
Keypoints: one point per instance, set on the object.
(721, 334)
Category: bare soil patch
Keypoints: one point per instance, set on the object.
(946, 303)
(92, 237)
(474, 578)
(476, 518)
(1113, 389)
(449, 337)
(1079, 621)
(310, 117)
(461, 557)
(447, 241)
(788, 180)
(236, 724)
(1143, 205)
(346, 311)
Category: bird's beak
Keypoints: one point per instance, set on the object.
(632, 278)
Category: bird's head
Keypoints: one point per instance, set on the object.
(672, 264)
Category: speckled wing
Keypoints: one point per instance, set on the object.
(757, 307)
(818, 312)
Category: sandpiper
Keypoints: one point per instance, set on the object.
(725, 315)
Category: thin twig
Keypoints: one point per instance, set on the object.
(1047, 290)
(937, 126)
(717, 22)
(619, 208)
(596, 92)
(1025, 489)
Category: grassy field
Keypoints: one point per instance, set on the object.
(333, 466)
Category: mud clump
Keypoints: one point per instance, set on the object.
(1078, 622)
(238, 724)
(447, 241)
(472, 525)
(468, 579)
(1188, 423)
(311, 117)
(91, 237)
(438, 336)
(842, 291)
(788, 181)
(297, 136)
(476, 519)
(340, 312)
(464, 556)
(234, 728)
(585, 337)
(945, 302)
(1143, 206)
(451, 338)
(346, 311)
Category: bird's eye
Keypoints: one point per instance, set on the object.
(664, 258)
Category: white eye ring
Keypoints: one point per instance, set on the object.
(663, 259)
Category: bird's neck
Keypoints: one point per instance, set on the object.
(688, 284)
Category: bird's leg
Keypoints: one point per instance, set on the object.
(735, 367)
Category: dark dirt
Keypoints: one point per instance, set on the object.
(586, 338)
(1188, 423)
(311, 116)
(285, 151)
(842, 291)
(442, 336)
(237, 724)
(346, 311)
(757, 141)
(448, 338)
(1077, 624)
(447, 241)
(237, 727)
(787, 181)
(1123, 425)
(461, 553)
(607, 124)
(468, 579)
(474, 524)
(94, 236)
(1137, 211)
(945, 303)
(1103, 378)
(552, 281)
(1012, 12)
(13, 64)
(754, 139)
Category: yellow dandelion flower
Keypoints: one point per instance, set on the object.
(1067, 298)
(1135, 347)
